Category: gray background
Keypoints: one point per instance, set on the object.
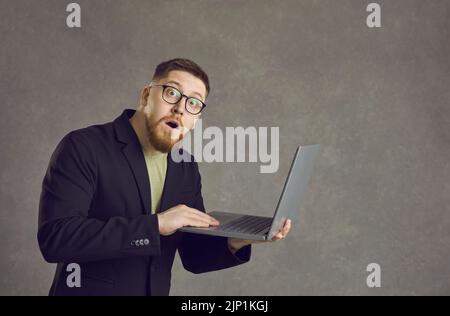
(376, 99)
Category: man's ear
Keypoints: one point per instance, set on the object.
(144, 97)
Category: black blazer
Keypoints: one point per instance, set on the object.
(94, 210)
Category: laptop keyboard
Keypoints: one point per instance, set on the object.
(248, 224)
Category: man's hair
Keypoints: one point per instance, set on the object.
(182, 64)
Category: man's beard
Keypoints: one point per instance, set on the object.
(161, 141)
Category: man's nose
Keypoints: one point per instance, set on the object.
(179, 106)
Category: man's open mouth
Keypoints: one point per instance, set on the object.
(172, 124)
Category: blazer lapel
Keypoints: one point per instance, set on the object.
(133, 153)
(136, 161)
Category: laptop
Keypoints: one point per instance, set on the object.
(253, 227)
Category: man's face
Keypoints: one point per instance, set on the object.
(158, 113)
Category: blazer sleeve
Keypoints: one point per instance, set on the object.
(66, 233)
(203, 253)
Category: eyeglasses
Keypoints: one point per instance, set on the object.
(172, 96)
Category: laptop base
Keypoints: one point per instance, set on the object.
(230, 220)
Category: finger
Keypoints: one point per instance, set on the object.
(208, 218)
(281, 232)
(286, 228)
(195, 222)
(198, 217)
(203, 214)
(276, 237)
(287, 223)
(194, 219)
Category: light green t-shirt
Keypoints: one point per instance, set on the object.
(156, 162)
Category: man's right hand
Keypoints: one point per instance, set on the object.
(180, 216)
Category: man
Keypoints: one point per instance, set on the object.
(113, 199)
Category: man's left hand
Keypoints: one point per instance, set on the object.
(236, 244)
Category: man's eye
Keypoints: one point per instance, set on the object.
(194, 102)
(172, 93)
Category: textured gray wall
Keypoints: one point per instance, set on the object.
(376, 99)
